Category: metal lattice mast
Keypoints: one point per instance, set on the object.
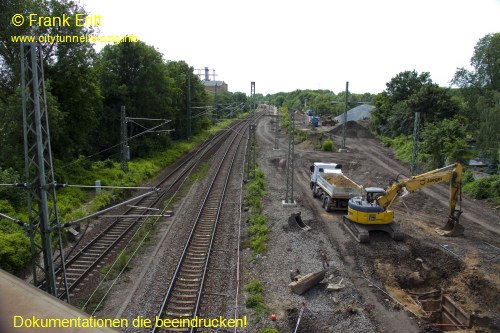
(290, 162)
(39, 172)
(254, 128)
(251, 156)
(276, 129)
(414, 155)
(189, 106)
(345, 114)
(125, 151)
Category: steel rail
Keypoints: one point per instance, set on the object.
(198, 220)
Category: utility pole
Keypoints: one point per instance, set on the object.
(289, 201)
(215, 103)
(252, 145)
(414, 155)
(276, 129)
(345, 115)
(125, 151)
(39, 172)
(189, 106)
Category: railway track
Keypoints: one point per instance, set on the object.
(184, 294)
(81, 267)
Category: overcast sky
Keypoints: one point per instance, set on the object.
(314, 44)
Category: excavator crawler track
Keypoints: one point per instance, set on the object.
(361, 232)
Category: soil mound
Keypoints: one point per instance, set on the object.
(353, 130)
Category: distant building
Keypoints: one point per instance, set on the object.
(213, 86)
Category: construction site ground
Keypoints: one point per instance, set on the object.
(376, 278)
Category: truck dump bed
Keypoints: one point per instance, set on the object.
(338, 185)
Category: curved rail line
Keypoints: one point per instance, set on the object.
(184, 294)
(82, 265)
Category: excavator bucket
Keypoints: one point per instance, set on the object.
(452, 228)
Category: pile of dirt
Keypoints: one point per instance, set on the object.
(340, 181)
(353, 130)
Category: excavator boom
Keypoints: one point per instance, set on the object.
(364, 216)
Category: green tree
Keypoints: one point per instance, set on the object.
(405, 84)
(434, 103)
(480, 89)
(391, 107)
(488, 136)
(134, 75)
(71, 84)
(444, 141)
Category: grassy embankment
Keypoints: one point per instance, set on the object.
(75, 203)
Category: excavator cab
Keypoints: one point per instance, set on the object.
(372, 193)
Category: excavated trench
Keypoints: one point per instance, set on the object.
(425, 280)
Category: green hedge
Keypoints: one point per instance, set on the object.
(484, 188)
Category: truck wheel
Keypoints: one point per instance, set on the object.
(315, 195)
(326, 203)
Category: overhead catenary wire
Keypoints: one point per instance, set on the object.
(103, 211)
(114, 146)
(140, 243)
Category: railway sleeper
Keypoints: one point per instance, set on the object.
(191, 271)
(186, 292)
(183, 279)
(100, 247)
(78, 264)
(69, 279)
(191, 275)
(197, 252)
(182, 308)
(196, 255)
(190, 286)
(191, 265)
(174, 313)
(182, 301)
(73, 270)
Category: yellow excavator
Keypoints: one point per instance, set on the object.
(373, 212)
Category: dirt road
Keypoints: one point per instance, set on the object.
(467, 268)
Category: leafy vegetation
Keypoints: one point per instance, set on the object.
(320, 101)
(85, 91)
(254, 299)
(453, 121)
(257, 229)
(327, 145)
(484, 188)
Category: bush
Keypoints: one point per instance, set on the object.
(254, 301)
(14, 251)
(327, 145)
(15, 196)
(254, 287)
(484, 188)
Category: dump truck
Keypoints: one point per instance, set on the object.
(332, 187)
(328, 121)
(314, 121)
